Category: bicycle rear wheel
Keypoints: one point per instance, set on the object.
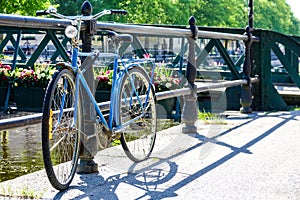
(137, 115)
(60, 137)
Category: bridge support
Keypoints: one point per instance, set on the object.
(190, 108)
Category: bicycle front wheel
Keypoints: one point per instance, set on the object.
(60, 136)
(137, 114)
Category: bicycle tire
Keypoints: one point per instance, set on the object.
(60, 142)
(138, 137)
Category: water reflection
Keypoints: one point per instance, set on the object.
(20, 151)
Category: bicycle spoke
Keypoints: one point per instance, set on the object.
(61, 140)
(138, 115)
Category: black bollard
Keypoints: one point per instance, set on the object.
(246, 94)
(190, 108)
(88, 138)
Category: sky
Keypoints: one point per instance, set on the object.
(295, 6)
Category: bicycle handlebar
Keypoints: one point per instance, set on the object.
(118, 12)
(53, 12)
(41, 12)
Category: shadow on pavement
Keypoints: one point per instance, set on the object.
(145, 183)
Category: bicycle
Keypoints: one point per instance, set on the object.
(132, 113)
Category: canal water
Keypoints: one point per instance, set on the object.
(20, 151)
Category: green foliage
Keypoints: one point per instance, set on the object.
(115, 143)
(294, 108)
(149, 12)
(23, 7)
(275, 15)
(211, 118)
(20, 193)
(73, 7)
(26, 192)
(166, 123)
(268, 14)
(222, 13)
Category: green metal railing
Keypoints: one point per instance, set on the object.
(282, 48)
(266, 44)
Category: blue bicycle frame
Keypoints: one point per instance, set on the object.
(117, 79)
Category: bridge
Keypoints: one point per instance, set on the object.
(243, 157)
(229, 69)
(220, 55)
(274, 62)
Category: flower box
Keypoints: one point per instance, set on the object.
(102, 95)
(28, 85)
(3, 91)
(29, 98)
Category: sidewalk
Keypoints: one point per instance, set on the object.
(243, 157)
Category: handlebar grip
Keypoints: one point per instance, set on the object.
(41, 12)
(118, 12)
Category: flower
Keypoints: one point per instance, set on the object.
(165, 79)
(40, 75)
(19, 77)
(5, 74)
(25, 77)
(104, 79)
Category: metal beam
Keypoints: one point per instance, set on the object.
(154, 30)
(104, 106)
(8, 20)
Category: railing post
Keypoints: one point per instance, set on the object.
(89, 145)
(7, 107)
(246, 94)
(190, 108)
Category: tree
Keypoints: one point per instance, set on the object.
(268, 14)
(149, 12)
(222, 13)
(66, 7)
(275, 15)
(23, 7)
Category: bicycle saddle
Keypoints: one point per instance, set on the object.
(120, 37)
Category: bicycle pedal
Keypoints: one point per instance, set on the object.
(108, 133)
(116, 136)
(103, 140)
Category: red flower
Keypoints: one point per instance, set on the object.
(103, 78)
(146, 56)
(6, 67)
